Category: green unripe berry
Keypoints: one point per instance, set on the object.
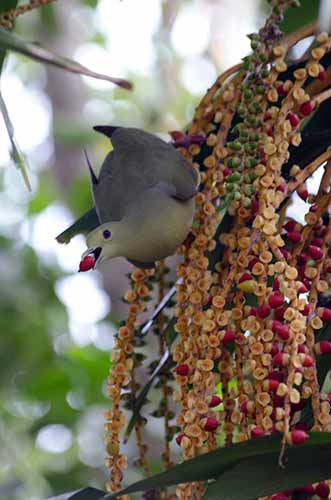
(235, 177)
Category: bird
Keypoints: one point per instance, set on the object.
(144, 201)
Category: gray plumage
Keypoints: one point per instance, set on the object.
(138, 163)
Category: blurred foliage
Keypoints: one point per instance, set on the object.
(46, 377)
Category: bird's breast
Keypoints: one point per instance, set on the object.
(158, 225)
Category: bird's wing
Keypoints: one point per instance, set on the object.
(83, 225)
(140, 161)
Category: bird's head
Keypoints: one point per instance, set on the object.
(102, 244)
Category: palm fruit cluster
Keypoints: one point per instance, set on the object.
(253, 305)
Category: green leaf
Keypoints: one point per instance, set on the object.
(12, 42)
(211, 465)
(16, 156)
(304, 466)
(84, 225)
(296, 17)
(84, 494)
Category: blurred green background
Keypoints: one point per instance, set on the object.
(57, 326)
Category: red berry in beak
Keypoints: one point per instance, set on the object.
(176, 134)
(87, 263)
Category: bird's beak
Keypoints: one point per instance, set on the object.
(90, 259)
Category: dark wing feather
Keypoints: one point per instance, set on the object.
(139, 162)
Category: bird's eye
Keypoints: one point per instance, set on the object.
(106, 234)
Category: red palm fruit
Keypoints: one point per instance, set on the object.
(182, 370)
(306, 360)
(270, 385)
(275, 284)
(275, 300)
(87, 263)
(317, 242)
(253, 311)
(263, 311)
(281, 359)
(281, 329)
(275, 324)
(211, 424)
(252, 263)
(281, 188)
(179, 438)
(293, 119)
(305, 310)
(298, 437)
(215, 401)
(322, 489)
(245, 277)
(289, 225)
(267, 116)
(302, 288)
(324, 313)
(257, 432)
(278, 401)
(308, 488)
(281, 90)
(322, 75)
(301, 271)
(228, 337)
(283, 332)
(285, 253)
(316, 253)
(254, 206)
(323, 347)
(306, 282)
(279, 313)
(294, 237)
(303, 193)
(274, 350)
(302, 258)
(226, 171)
(276, 375)
(306, 108)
